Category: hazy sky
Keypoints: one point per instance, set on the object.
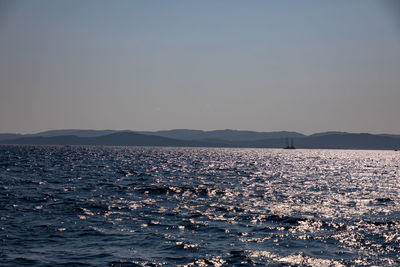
(304, 66)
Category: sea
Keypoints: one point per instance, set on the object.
(164, 206)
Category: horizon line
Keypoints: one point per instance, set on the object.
(188, 129)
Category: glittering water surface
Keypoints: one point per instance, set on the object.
(128, 206)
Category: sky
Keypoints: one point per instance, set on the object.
(305, 66)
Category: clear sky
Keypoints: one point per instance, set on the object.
(303, 66)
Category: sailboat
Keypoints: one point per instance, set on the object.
(287, 144)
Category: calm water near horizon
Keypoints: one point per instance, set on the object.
(135, 206)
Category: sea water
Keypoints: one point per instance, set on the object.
(134, 206)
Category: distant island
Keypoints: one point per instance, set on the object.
(198, 138)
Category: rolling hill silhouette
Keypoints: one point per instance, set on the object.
(114, 139)
(128, 138)
(226, 135)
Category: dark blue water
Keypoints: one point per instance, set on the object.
(130, 206)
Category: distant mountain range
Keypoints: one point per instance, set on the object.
(51, 133)
(114, 139)
(217, 138)
(226, 135)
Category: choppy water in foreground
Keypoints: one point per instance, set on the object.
(128, 206)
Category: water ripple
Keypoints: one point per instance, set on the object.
(133, 206)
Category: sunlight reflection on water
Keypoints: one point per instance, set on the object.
(194, 206)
